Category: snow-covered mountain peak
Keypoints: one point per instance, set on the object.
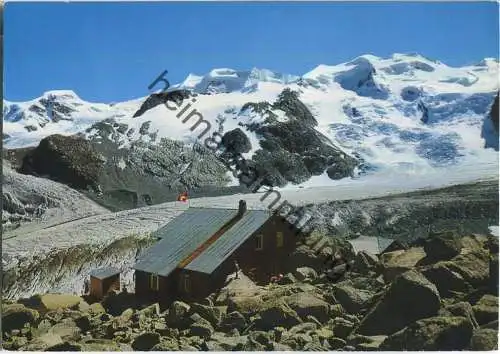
(227, 80)
(61, 94)
(488, 63)
(412, 57)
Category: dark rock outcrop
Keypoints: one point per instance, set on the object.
(442, 246)
(494, 114)
(236, 142)
(174, 97)
(67, 159)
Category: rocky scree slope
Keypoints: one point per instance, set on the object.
(438, 293)
(40, 257)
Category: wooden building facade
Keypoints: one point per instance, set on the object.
(103, 281)
(198, 250)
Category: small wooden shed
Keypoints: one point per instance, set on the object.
(104, 280)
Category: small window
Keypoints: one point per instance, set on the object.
(187, 283)
(279, 239)
(259, 242)
(154, 284)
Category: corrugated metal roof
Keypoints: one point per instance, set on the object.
(181, 237)
(105, 272)
(217, 252)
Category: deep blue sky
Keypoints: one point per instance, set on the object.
(112, 51)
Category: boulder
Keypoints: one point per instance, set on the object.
(278, 314)
(278, 347)
(395, 245)
(353, 300)
(234, 320)
(14, 343)
(491, 325)
(251, 345)
(278, 333)
(151, 310)
(241, 295)
(166, 344)
(463, 309)
(435, 333)
(65, 347)
(287, 279)
(43, 327)
(297, 341)
(146, 341)
(409, 298)
(303, 328)
(484, 340)
(83, 322)
(213, 314)
(341, 327)
(311, 252)
(51, 302)
(15, 316)
(313, 346)
(202, 329)
(473, 265)
(337, 273)
(303, 256)
(324, 333)
(225, 343)
(486, 309)
(104, 345)
(96, 309)
(43, 342)
(397, 262)
(305, 273)
(365, 343)
(446, 280)
(307, 304)
(365, 262)
(67, 330)
(261, 337)
(474, 242)
(442, 246)
(336, 343)
(313, 319)
(127, 314)
(247, 305)
(177, 313)
(116, 303)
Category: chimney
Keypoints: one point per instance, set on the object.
(242, 208)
